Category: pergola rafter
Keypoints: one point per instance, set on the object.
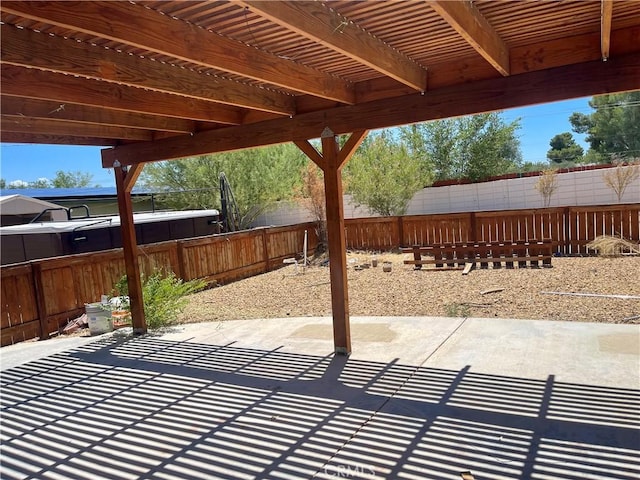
(465, 19)
(26, 48)
(605, 28)
(147, 29)
(314, 20)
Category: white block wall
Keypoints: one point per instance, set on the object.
(574, 189)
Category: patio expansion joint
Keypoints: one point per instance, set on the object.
(375, 412)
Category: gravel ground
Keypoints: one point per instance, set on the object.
(407, 292)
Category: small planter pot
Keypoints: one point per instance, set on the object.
(386, 266)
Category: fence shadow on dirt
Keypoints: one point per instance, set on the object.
(147, 407)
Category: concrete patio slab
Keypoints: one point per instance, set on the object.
(420, 398)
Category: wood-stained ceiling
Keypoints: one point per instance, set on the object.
(167, 79)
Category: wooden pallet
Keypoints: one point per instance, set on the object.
(482, 255)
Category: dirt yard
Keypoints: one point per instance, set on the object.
(408, 292)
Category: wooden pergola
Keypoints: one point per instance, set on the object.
(161, 80)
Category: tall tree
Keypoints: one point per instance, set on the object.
(383, 176)
(564, 149)
(71, 179)
(258, 177)
(473, 147)
(3, 183)
(613, 129)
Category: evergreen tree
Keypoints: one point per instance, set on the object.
(613, 128)
(564, 149)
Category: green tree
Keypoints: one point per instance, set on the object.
(383, 175)
(564, 149)
(258, 177)
(613, 128)
(40, 183)
(15, 184)
(71, 179)
(3, 183)
(533, 167)
(473, 147)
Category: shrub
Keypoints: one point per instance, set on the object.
(620, 177)
(163, 296)
(546, 185)
(457, 310)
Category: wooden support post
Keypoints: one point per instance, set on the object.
(331, 162)
(125, 179)
(337, 246)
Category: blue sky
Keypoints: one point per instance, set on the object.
(30, 162)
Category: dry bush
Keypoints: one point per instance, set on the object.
(607, 246)
(620, 177)
(546, 185)
(311, 197)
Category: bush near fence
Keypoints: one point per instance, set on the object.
(39, 297)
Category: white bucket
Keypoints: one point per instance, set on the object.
(99, 319)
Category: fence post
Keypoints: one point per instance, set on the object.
(568, 231)
(38, 287)
(473, 228)
(400, 232)
(182, 268)
(265, 248)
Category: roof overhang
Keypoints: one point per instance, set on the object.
(186, 78)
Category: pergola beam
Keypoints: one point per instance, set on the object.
(311, 152)
(38, 84)
(65, 128)
(24, 47)
(465, 19)
(316, 21)
(13, 137)
(606, 12)
(149, 30)
(46, 109)
(618, 74)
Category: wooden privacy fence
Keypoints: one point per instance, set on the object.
(569, 228)
(38, 297)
